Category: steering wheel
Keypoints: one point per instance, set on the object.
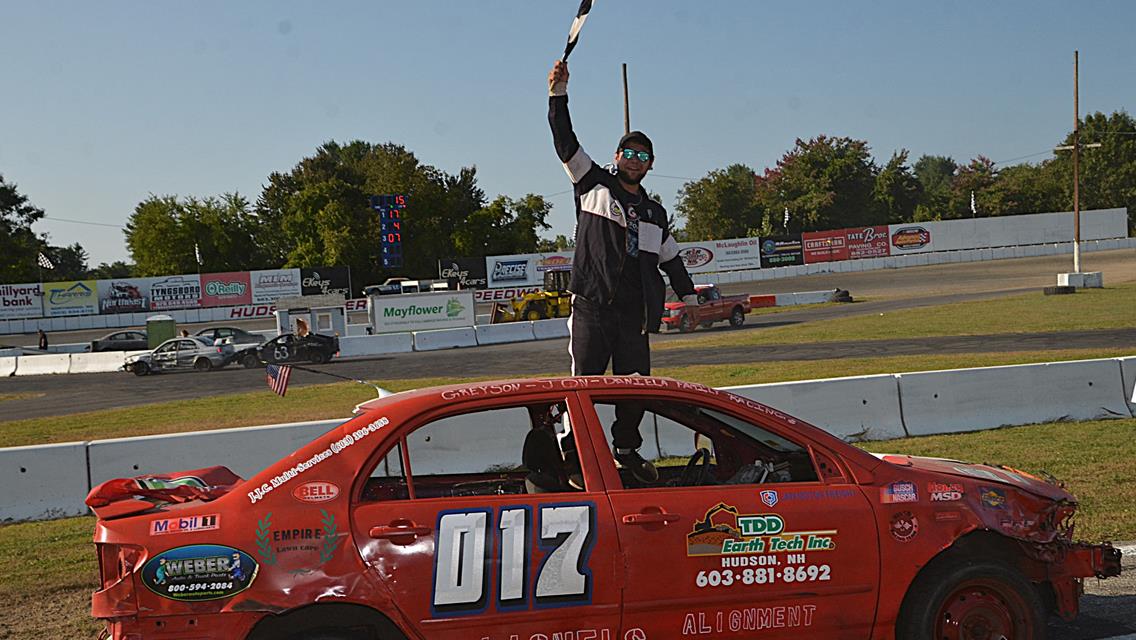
(697, 470)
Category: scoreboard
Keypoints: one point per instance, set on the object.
(390, 209)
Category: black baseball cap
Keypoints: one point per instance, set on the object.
(636, 136)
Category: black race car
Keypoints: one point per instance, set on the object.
(290, 347)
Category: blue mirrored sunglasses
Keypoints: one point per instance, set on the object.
(644, 156)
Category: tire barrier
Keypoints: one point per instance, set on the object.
(960, 400)
(51, 481)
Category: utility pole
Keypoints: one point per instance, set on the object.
(1076, 149)
(626, 106)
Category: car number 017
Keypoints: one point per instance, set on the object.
(464, 546)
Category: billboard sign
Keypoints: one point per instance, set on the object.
(70, 298)
(124, 295)
(21, 301)
(270, 285)
(737, 254)
(910, 238)
(698, 257)
(325, 280)
(781, 251)
(846, 244)
(422, 311)
(464, 273)
(231, 289)
(175, 292)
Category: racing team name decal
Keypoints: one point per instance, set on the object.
(466, 539)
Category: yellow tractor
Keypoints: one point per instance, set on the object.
(553, 302)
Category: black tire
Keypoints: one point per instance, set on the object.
(202, 364)
(330, 634)
(318, 357)
(737, 317)
(140, 368)
(686, 325)
(1059, 290)
(534, 312)
(250, 361)
(971, 599)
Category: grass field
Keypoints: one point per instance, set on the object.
(323, 402)
(50, 570)
(1089, 309)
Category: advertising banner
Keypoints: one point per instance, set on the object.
(510, 271)
(781, 251)
(552, 262)
(324, 280)
(20, 301)
(124, 295)
(737, 254)
(175, 292)
(699, 257)
(503, 295)
(422, 311)
(270, 285)
(70, 298)
(464, 273)
(226, 289)
(911, 238)
(845, 244)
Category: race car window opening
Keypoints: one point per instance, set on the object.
(387, 481)
(485, 453)
(736, 451)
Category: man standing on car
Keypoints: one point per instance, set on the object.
(622, 241)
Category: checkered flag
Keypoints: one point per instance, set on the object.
(577, 24)
(44, 261)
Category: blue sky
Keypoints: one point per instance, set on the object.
(107, 102)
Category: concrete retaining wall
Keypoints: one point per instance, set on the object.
(1128, 377)
(505, 332)
(973, 399)
(552, 328)
(43, 365)
(7, 366)
(96, 362)
(245, 451)
(444, 339)
(44, 481)
(376, 345)
(855, 408)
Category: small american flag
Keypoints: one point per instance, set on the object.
(44, 262)
(277, 377)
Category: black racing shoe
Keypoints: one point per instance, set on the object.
(642, 470)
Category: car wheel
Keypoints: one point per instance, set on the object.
(318, 357)
(686, 325)
(202, 364)
(250, 361)
(971, 599)
(737, 317)
(140, 368)
(533, 312)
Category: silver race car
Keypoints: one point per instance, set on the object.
(195, 353)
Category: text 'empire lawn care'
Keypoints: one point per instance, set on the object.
(335, 448)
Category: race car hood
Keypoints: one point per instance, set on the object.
(127, 496)
(984, 472)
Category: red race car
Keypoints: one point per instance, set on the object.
(497, 511)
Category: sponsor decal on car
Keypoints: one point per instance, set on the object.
(725, 531)
(199, 572)
(187, 524)
(899, 492)
(992, 498)
(945, 492)
(769, 498)
(910, 238)
(718, 621)
(316, 491)
(297, 549)
(904, 526)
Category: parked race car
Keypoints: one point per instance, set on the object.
(712, 307)
(181, 354)
(289, 347)
(121, 341)
(497, 510)
(233, 335)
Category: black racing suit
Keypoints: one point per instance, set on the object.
(622, 241)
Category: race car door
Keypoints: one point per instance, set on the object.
(739, 537)
(473, 545)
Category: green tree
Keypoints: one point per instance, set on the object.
(973, 179)
(172, 235)
(19, 245)
(158, 241)
(897, 191)
(504, 226)
(70, 262)
(114, 270)
(1108, 173)
(721, 205)
(1023, 188)
(935, 174)
(826, 183)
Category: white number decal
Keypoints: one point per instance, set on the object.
(460, 568)
(463, 551)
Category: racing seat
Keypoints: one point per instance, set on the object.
(541, 456)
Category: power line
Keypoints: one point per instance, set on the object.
(1032, 155)
(94, 224)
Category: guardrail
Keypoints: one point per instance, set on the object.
(51, 481)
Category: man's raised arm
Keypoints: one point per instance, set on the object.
(576, 162)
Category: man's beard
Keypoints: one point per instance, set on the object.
(626, 177)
